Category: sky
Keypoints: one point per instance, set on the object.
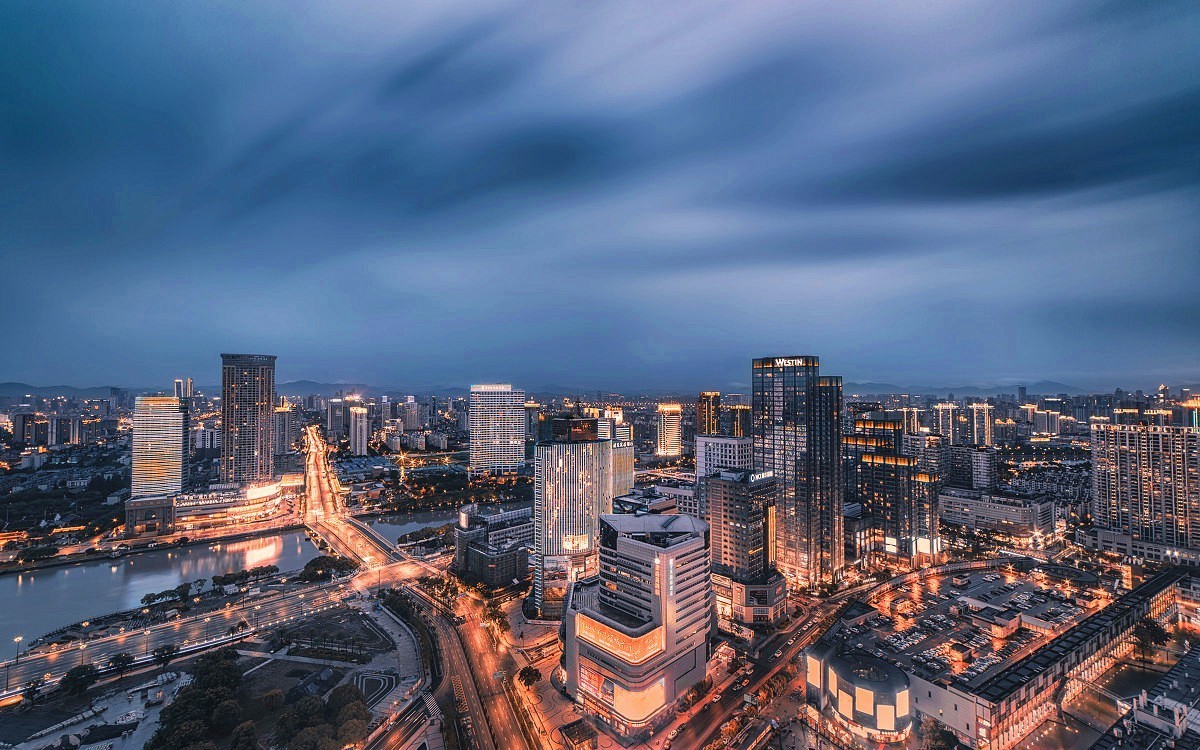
(600, 195)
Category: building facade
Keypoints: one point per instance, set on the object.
(360, 430)
(670, 431)
(708, 413)
(161, 446)
(797, 435)
(247, 417)
(636, 640)
(491, 544)
(496, 418)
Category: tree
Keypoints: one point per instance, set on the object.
(1148, 634)
(31, 690)
(121, 663)
(164, 655)
(272, 700)
(935, 736)
(244, 737)
(342, 696)
(225, 716)
(356, 711)
(529, 676)
(78, 679)
(352, 731)
(314, 738)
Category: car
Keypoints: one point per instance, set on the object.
(716, 698)
(779, 653)
(791, 640)
(674, 733)
(744, 683)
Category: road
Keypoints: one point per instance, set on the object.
(328, 517)
(185, 633)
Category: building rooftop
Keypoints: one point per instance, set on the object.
(963, 634)
(1169, 717)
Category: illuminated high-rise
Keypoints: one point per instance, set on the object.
(948, 422)
(1146, 490)
(708, 413)
(635, 641)
(982, 423)
(161, 442)
(247, 417)
(797, 435)
(670, 432)
(287, 429)
(360, 430)
(496, 422)
(576, 477)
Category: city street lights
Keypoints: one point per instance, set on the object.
(16, 658)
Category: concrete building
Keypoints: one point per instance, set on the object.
(708, 413)
(797, 435)
(722, 452)
(741, 515)
(1023, 516)
(287, 429)
(247, 418)
(983, 417)
(576, 477)
(670, 431)
(161, 446)
(1146, 491)
(360, 430)
(635, 640)
(949, 422)
(972, 466)
(497, 429)
(491, 544)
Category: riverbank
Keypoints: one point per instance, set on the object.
(59, 561)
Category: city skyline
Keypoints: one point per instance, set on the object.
(958, 195)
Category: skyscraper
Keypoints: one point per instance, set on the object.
(912, 419)
(670, 434)
(287, 429)
(576, 477)
(179, 390)
(247, 417)
(497, 428)
(797, 435)
(735, 420)
(982, 422)
(360, 430)
(636, 641)
(741, 518)
(161, 442)
(899, 499)
(948, 422)
(1146, 490)
(722, 452)
(708, 413)
(335, 424)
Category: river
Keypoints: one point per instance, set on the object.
(40, 601)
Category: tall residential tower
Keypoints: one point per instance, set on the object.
(247, 417)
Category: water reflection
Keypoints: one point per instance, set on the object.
(38, 602)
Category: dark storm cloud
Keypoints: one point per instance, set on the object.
(601, 195)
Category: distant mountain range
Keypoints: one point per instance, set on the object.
(307, 387)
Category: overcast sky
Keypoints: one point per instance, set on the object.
(610, 195)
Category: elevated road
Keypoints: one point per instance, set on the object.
(327, 517)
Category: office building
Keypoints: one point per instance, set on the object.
(533, 411)
(735, 420)
(982, 422)
(247, 417)
(708, 413)
(670, 432)
(722, 452)
(335, 419)
(972, 466)
(898, 523)
(360, 430)
(576, 477)
(741, 511)
(797, 435)
(949, 422)
(179, 390)
(1023, 516)
(161, 437)
(497, 428)
(1146, 491)
(491, 544)
(635, 641)
(684, 497)
(911, 415)
(287, 429)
